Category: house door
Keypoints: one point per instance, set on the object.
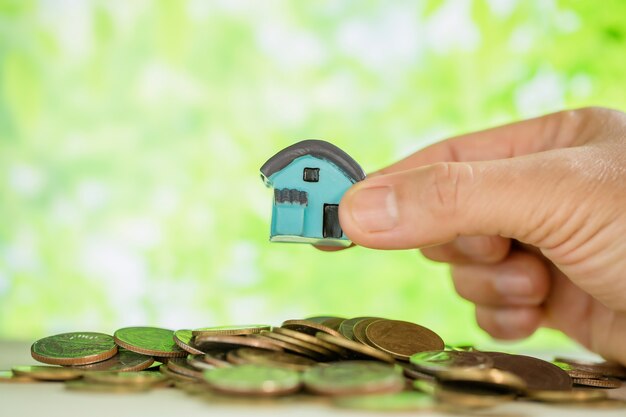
(331, 226)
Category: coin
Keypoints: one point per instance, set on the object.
(310, 339)
(47, 373)
(181, 366)
(411, 372)
(568, 396)
(433, 361)
(359, 329)
(151, 341)
(198, 363)
(290, 347)
(183, 339)
(491, 379)
(328, 321)
(75, 348)
(125, 378)
(231, 330)
(175, 376)
(608, 369)
(402, 339)
(355, 347)
(397, 401)
(538, 374)
(215, 358)
(574, 372)
(306, 348)
(598, 382)
(309, 327)
(353, 378)
(471, 396)
(7, 376)
(123, 361)
(232, 342)
(253, 380)
(278, 359)
(346, 328)
(100, 387)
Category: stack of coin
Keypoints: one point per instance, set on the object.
(365, 362)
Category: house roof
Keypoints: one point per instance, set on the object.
(319, 149)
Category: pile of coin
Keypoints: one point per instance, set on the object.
(363, 362)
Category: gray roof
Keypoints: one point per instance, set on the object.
(319, 149)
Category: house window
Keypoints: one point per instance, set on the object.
(311, 175)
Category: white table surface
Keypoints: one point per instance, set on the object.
(52, 399)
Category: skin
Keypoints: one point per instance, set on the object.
(531, 216)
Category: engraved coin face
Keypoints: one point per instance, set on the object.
(402, 339)
(433, 361)
(253, 380)
(353, 377)
(75, 348)
(124, 361)
(346, 327)
(151, 341)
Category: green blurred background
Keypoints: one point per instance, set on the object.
(132, 132)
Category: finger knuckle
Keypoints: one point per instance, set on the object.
(450, 180)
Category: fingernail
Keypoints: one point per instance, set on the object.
(508, 319)
(374, 209)
(513, 285)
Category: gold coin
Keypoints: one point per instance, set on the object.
(88, 386)
(358, 330)
(598, 383)
(253, 380)
(182, 367)
(491, 378)
(329, 321)
(47, 373)
(566, 396)
(307, 349)
(310, 339)
(470, 397)
(175, 376)
(8, 376)
(401, 339)
(198, 363)
(231, 330)
(606, 368)
(125, 378)
(282, 345)
(278, 359)
(232, 342)
(309, 327)
(346, 328)
(358, 348)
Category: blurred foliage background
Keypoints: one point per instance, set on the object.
(131, 134)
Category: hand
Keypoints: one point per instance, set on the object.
(532, 217)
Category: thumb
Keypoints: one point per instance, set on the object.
(524, 198)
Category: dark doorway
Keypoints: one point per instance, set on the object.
(331, 226)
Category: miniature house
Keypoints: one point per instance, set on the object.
(309, 178)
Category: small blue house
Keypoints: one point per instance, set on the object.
(309, 178)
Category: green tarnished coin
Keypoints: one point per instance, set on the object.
(75, 348)
(253, 380)
(152, 341)
(353, 378)
(183, 339)
(398, 401)
(124, 361)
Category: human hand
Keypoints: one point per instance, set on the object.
(532, 217)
